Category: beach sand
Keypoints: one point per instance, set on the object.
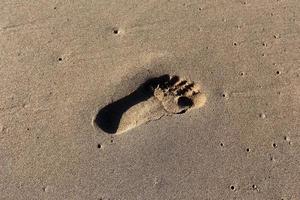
(61, 62)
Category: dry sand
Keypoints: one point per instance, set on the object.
(62, 61)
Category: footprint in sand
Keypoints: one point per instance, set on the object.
(157, 97)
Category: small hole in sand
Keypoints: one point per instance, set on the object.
(287, 138)
(274, 145)
(55, 8)
(248, 150)
(59, 59)
(262, 115)
(254, 187)
(242, 73)
(232, 187)
(235, 44)
(221, 144)
(278, 72)
(115, 31)
(99, 146)
(224, 95)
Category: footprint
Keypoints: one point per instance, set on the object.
(157, 97)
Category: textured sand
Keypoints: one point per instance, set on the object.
(61, 61)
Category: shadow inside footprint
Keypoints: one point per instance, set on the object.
(108, 118)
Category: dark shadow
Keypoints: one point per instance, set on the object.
(108, 118)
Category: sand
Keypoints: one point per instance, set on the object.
(61, 62)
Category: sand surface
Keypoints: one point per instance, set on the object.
(62, 61)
